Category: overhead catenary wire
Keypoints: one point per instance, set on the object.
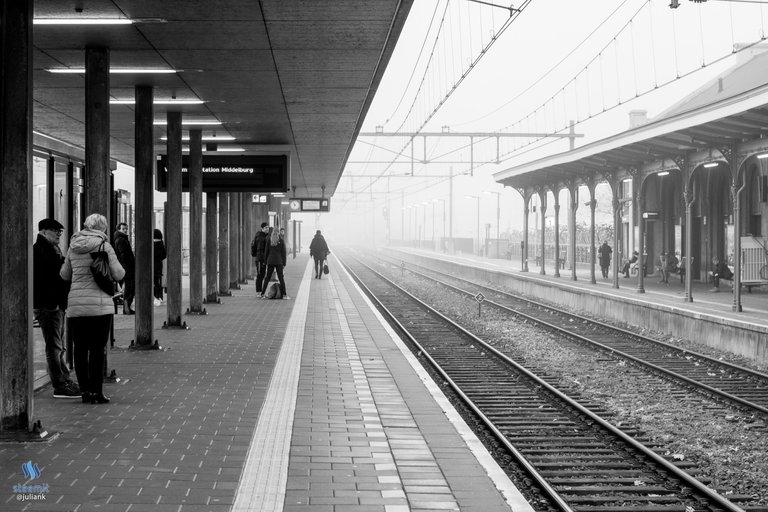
(553, 68)
(466, 73)
(523, 147)
(415, 65)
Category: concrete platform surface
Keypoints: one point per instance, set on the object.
(303, 404)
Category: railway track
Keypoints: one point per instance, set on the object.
(736, 385)
(576, 458)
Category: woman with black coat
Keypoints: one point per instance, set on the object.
(275, 258)
(318, 249)
(158, 254)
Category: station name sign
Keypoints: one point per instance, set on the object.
(310, 204)
(233, 173)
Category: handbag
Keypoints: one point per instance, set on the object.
(101, 271)
(325, 268)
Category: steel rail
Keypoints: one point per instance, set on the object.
(541, 481)
(647, 452)
(670, 373)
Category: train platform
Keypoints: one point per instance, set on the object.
(311, 403)
(709, 318)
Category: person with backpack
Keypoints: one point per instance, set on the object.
(318, 249)
(276, 260)
(258, 251)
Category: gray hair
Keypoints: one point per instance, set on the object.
(96, 222)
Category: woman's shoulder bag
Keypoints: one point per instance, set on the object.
(101, 271)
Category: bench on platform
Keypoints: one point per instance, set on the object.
(748, 284)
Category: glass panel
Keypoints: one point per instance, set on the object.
(39, 190)
(60, 197)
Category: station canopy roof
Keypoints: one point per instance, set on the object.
(296, 75)
(731, 108)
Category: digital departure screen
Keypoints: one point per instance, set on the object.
(233, 173)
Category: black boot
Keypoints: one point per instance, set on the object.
(99, 398)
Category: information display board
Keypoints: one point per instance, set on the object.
(310, 204)
(233, 173)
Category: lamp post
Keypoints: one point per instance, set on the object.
(477, 198)
(498, 217)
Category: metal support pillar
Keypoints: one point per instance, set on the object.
(196, 222)
(173, 217)
(737, 238)
(543, 268)
(616, 227)
(592, 206)
(557, 234)
(144, 197)
(641, 236)
(16, 358)
(234, 240)
(524, 248)
(97, 188)
(574, 199)
(245, 237)
(211, 248)
(224, 244)
(689, 197)
(249, 234)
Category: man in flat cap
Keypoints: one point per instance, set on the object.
(50, 303)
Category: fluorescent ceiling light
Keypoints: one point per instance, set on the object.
(278, 194)
(711, 165)
(185, 149)
(209, 138)
(159, 102)
(662, 173)
(114, 71)
(185, 122)
(763, 155)
(82, 21)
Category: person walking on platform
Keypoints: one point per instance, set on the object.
(90, 308)
(128, 262)
(605, 258)
(276, 260)
(158, 255)
(50, 304)
(259, 253)
(318, 249)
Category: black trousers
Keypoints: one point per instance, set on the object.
(157, 289)
(279, 270)
(319, 266)
(261, 271)
(129, 290)
(90, 335)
